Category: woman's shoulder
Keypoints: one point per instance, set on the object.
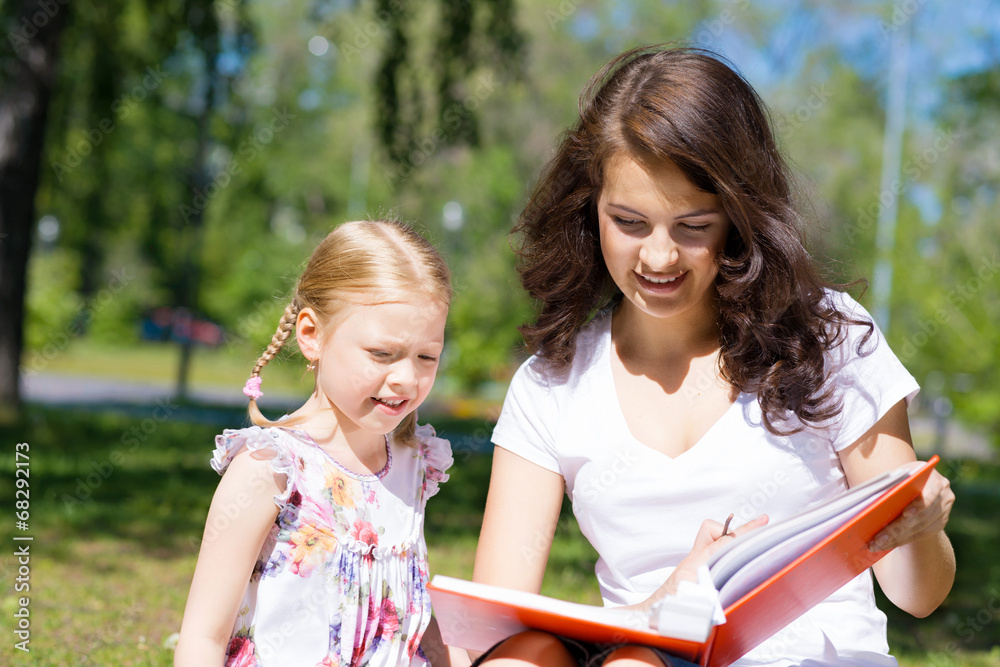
(859, 334)
(845, 304)
(590, 343)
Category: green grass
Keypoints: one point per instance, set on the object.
(224, 366)
(116, 522)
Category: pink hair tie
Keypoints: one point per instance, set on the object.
(252, 388)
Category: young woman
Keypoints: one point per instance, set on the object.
(690, 362)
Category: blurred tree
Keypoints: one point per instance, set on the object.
(130, 147)
(470, 34)
(27, 73)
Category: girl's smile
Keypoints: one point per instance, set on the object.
(377, 366)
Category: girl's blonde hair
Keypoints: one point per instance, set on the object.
(359, 263)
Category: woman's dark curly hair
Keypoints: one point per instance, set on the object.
(685, 106)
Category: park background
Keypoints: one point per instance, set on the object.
(166, 167)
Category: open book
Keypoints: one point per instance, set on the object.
(763, 581)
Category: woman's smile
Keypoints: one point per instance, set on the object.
(660, 236)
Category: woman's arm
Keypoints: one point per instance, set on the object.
(239, 519)
(522, 510)
(920, 570)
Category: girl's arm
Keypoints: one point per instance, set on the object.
(239, 520)
(438, 653)
(918, 573)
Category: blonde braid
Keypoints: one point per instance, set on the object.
(286, 325)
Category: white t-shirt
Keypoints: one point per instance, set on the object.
(641, 509)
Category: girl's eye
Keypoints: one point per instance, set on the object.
(380, 354)
(428, 357)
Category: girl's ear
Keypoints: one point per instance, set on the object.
(307, 334)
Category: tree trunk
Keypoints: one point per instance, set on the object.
(24, 105)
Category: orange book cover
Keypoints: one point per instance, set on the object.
(810, 578)
(475, 616)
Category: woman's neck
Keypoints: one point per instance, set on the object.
(642, 337)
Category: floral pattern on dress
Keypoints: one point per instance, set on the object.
(341, 578)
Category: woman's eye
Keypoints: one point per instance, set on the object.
(624, 222)
(695, 228)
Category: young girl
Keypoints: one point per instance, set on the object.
(314, 552)
(720, 373)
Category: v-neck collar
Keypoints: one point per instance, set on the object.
(618, 415)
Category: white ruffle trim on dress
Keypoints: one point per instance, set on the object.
(437, 458)
(255, 439)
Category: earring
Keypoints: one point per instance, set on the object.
(311, 366)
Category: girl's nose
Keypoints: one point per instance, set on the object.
(402, 374)
(658, 251)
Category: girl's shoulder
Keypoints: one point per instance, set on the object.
(278, 446)
(270, 441)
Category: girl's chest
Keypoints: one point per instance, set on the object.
(375, 510)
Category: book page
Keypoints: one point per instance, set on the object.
(769, 563)
(749, 547)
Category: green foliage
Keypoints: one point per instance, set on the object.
(53, 302)
(411, 106)
(467, 36)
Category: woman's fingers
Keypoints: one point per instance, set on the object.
(749, 526)
(925, 516)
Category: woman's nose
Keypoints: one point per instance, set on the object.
(659, 251)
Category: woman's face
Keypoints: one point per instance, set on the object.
(659, 236)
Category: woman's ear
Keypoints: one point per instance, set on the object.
(307, 334)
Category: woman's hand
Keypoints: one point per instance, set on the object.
(706, 543)
(925, 517)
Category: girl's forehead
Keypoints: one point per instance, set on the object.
(413, 312)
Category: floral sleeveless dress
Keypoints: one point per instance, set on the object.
(341, 578)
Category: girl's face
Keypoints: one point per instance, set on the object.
(379, 364)
(659, 237)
